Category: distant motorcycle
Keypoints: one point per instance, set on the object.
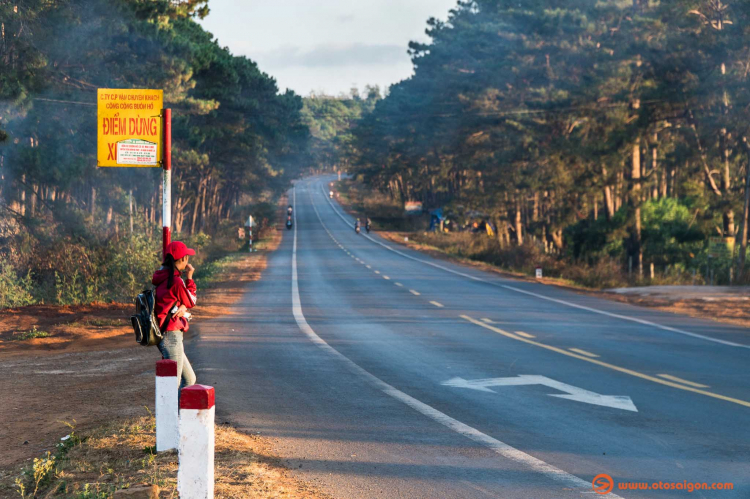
(367, 226)
(356, 227)
(289, 223)
(330, 194)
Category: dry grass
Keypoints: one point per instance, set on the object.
(119, 456)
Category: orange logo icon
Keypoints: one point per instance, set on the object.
(602, 484)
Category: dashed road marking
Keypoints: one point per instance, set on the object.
(583, 352)
(525, 335)
(437, 304)
(415, 293)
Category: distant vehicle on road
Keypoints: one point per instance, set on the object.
(288, 222)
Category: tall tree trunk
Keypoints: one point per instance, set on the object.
(745, 213)
(519, 223)
(655, 169)
(23, 195)
(609, 203)
(196, 205)
(635, 199)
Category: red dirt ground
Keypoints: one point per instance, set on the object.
(89, 371)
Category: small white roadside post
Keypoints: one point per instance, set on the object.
(539, 272)
(195, 476)
(167, 388)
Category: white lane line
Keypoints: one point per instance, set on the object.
(549, 298)
(415, 293)
(386, 278)
(368, 266)
(582, 352)
(488, 321)
(437, 304)
(683, 381)
(377, 272)
(398, 284)
(501, 448)
(525, 335)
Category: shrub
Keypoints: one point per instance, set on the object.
(15, 291)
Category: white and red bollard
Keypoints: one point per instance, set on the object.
(167, 389)
(195, 477)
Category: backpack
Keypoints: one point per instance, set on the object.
(145, 325)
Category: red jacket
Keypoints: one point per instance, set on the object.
(181, 293)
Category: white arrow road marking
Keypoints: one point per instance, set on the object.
(573, 392)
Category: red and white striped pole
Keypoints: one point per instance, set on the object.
(195, 475)
(167, 389)
(167, 181)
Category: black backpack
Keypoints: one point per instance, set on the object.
(145, 325)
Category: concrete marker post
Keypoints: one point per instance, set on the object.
(167, 389)
(195, 477)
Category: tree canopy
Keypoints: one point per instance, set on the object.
(563, 120)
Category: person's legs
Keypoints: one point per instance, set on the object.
(188, 375)
(173, 348)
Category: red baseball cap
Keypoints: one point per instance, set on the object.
(178, 250)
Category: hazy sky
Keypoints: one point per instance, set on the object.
(325, 45)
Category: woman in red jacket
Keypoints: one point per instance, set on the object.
(173, 299)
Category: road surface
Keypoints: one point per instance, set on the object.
(378, 371)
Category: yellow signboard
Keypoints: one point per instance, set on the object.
(129, 129)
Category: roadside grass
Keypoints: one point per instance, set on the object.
(29, 335)
(100, 322)
(122, 455)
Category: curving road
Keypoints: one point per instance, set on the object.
(378, 371)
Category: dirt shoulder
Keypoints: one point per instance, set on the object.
(121, 455)
(89, 373)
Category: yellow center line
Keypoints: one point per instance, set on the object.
(437, 304)
(607, 365)
(583, 352)
(525, 335)
(683, 381)
(398, 284)
(415, 293)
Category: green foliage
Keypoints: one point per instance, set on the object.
(331, 121)
(64, 224)
(30, 335)
(604, 129)
(15, 291)
(670, 234)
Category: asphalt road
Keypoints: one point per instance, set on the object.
(381, 372)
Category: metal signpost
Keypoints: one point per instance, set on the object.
(134, 130)
(249, 227)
